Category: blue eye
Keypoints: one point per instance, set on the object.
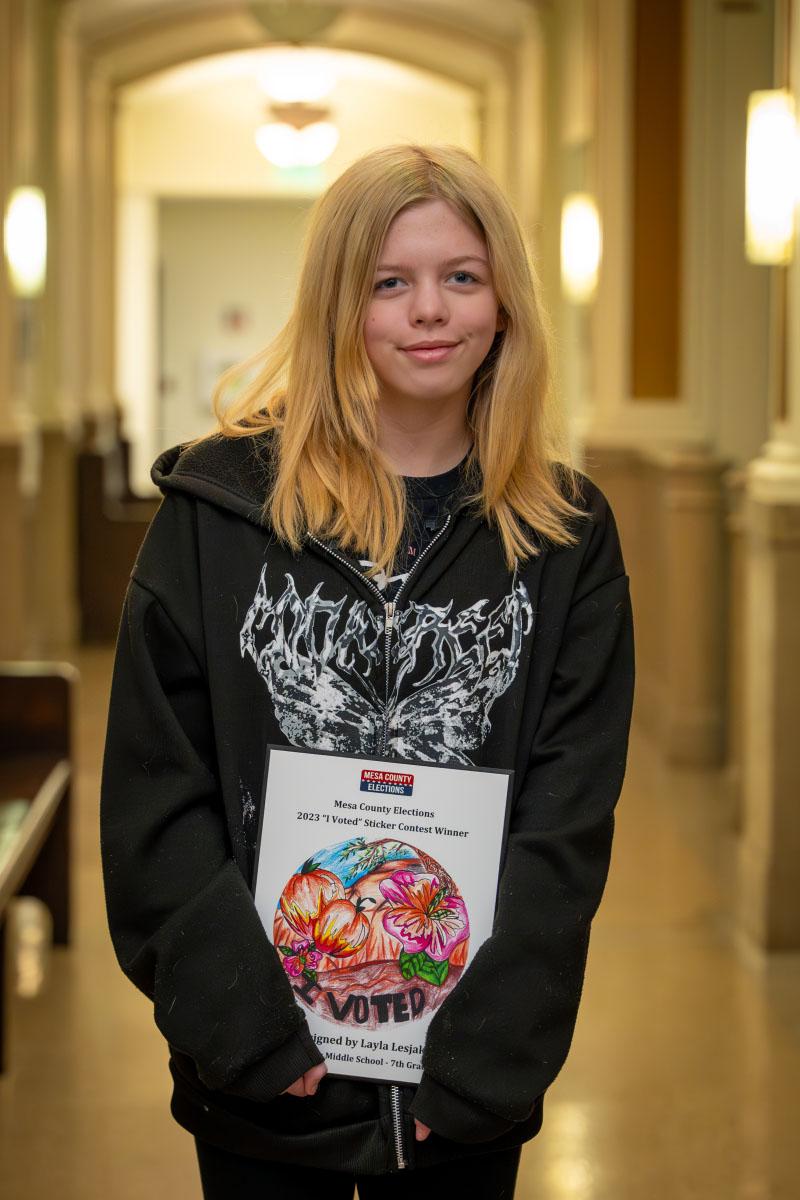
(386, 285)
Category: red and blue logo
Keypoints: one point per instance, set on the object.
(389, 783)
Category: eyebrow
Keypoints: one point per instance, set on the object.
(449, 263)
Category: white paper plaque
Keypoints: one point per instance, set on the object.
(376, 880)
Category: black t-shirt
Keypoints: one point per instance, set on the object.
(429, 498)
(428, 501)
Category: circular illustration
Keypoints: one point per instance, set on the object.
(371, 932)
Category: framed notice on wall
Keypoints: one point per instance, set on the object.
(376, 880)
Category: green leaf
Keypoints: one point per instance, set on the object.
(433, 972)
(408, 964)
(285, 949)
(310, 975)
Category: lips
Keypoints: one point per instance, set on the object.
(432, 352)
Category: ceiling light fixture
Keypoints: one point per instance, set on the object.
(297, 135)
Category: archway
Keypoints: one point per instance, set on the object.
(100, 51)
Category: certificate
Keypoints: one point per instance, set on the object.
(376, 880)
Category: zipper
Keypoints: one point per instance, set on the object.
(390, 611)
(390, 608)
(388, 628)
(397, 1125)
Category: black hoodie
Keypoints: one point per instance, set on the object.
(229, 642)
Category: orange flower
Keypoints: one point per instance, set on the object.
(340, 929)
(306, 894)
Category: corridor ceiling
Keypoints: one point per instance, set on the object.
(502, 19)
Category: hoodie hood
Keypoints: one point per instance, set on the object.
(233, 473)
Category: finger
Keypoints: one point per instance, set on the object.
(295, 1089)
(422, 1131)
(312, 1078)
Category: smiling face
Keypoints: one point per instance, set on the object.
(433, 288)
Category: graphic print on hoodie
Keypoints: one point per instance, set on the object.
(316, 657)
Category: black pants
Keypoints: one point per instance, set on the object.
(228, 1176)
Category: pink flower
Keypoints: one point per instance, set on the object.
(423, 916)
(301, 959)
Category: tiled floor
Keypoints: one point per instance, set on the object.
(683, 1081)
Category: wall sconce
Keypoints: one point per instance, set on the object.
(772, 183)
(581, 247)
(25, 240)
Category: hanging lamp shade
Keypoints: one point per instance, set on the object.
(297, 135)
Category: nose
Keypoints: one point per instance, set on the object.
(429, 304)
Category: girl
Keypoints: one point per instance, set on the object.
(383, 550)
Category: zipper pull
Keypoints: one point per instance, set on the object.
(389, 606)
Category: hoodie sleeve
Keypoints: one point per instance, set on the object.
(182, 920)
(502, 1035)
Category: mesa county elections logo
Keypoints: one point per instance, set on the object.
(371, 933)
(395, 783)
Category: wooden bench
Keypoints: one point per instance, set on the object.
(35, 779)
(112, 523)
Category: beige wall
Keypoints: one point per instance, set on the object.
(220, 258)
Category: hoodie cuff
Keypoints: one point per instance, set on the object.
(453, 1117)
(270, 1076)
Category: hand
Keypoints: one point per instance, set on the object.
(422, 1131)
(308, 1082)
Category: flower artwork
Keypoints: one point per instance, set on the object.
(371, 933)
(428, 921)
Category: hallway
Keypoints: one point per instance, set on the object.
(681, 1083)
(153, 254)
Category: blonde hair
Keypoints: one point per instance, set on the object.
(319, 394)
